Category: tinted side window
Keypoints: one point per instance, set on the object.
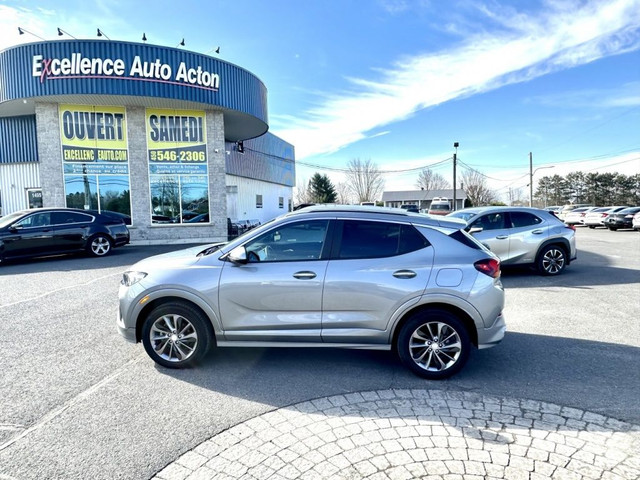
(289, 243)
(491, 221)
(362, 239)
(524, 219)
(36, 220)
(61, 218)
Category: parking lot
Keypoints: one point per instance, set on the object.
(79, 402)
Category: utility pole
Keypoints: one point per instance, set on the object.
(455, 158)
(530, 179)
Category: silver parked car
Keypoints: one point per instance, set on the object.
(323, 276)
(523, 236)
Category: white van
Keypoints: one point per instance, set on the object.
(439, 206)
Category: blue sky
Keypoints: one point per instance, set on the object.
(398, 81)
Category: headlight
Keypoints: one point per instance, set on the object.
(130, 278)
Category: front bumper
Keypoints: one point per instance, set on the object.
(128, 333)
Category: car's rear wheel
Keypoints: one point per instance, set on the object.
(433, 344)
(99, 245)
(176, 335)
(552, 260)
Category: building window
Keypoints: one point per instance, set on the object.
(258, 201)
(179, 199)
(280, 202)
(96, 167)
(34, 197)
(178, 166)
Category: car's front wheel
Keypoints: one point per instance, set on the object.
(552, 260)
(433, 344)
(176, 335)
(99, 245)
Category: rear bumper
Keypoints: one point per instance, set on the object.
(493, 335)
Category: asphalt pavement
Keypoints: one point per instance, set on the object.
(79, 402)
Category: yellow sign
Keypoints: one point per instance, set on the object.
(178, 138)
(91, 135)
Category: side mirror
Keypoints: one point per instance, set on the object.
(238, 255)
(14, 228)
(473, 230)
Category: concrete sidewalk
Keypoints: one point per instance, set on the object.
(406, 434)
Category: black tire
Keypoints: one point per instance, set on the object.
(552, 260)
(613, 229)
(100, 245)
(592, 226)
(176, 335)
(426, 354)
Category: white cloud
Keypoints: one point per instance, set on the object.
(525, 48)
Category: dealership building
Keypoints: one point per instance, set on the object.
(174, 139)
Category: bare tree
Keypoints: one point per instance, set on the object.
(516, 196)
(364, 180)
(302, 193)
(429, 180)
(344, 194)
(475, 186)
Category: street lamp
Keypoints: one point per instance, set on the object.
(531, 172)
(455, 158)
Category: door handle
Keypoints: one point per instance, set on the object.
(537, 232)
(304, 275)
(502, 237)
(404, 274)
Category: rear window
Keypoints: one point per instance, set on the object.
(61, 218)
(524, 219)
(467, 239)
(365, 239)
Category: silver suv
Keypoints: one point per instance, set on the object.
(323, 276)
(523, 236)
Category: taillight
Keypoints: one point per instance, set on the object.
(572, 227)
(488, 266)
(605, 215)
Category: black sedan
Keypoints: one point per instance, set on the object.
(53, 231)
(621, 219)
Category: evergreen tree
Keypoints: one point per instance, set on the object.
(321, 190)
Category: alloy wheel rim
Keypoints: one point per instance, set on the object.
(173, 338)
(435, 346)
(553, 261)
(100, 246)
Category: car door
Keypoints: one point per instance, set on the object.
(277, 294)
(30, 236)
(526, 233)
(493, 233)
(375, 268)
(71, 229)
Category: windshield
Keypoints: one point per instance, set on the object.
(463, 215)
(9, 219)
(439, 207)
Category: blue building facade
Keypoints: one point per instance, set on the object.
(170, 137)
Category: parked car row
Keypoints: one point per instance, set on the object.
(622, 219)
(613, 217)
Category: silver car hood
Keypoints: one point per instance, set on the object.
(171, 260)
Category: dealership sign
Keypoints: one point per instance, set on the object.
(94, 140)
(79, 66)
